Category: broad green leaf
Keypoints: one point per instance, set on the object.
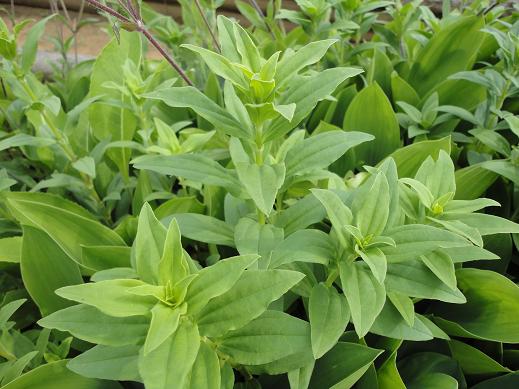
(409, 158)
(219, 65)
(391, 324)
(206, 369)
(473, 181)
(193, 167)
(252, 237)
(304, 246)
(91, 325)
(108, 121)
(55, 375)
(342, 366)
(306, 92)
(376, 261)
(438, 175)
(205, 229)
(338, 213)
(164, 323)
(485, 224)
(329, 314)
(250, 55)
(261, 182)
(507, 381)
(372, 210)
(413, 278)
(111, 297)
(256, 289)
(149, 245)
(24, 140)
(488, 313)
(365, 295)
(172, 267)
(11, 249)
(291, 64)
(303, 213)
(69, 229)
(30, 46)
(300, 378)
(108, 363)
(413, 240)
(45, 267)
(473, 361)
(270, 337)
(442, 266)
(452, 49)
(105, 257)
(402, 91)
(215, 280)
(8, 309)
(168, 366)
(190, 97)
(319, 151)
(388, 376)
(371, 112)
(17, 368)
(404, 306)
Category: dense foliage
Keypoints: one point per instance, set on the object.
(331, 201)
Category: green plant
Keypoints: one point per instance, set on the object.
(318, 208)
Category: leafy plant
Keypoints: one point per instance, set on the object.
(330, 202)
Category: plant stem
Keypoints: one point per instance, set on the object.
(139, 25)
(260, 13)
(206, 22)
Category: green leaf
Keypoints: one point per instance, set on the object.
(168, 366)
(391, 324)
(485, 224)
(438, 175)
(256, 289)
(388, 376)
(507, 381)
(111, 297)
(205, 229)
(329, 315)
(488, 313)
(20, 140)
(291, 64)
(306, 92)
(105, 257)
(338, 213)
(473, 181)
(45, 267)
(17, 368)
(304, 246)
(319, 151)
(473, 361)
(342, 366)
(303, 213)
(409, 158)
(452, 49)
(270, 337)
(376, 261)
(216, 280)
(55, 375)
(371, 112)
(11, 249)
(172, 267)
(91, 325)
(413, 240)
(190, 97)
(70, 229)
(404, 306)
(164, 323)
(252, 237)
(30, 46)
(261, 182)
(372, 210)
(413, 278)
(149, 245)
(442, 266)
(108, 121)
(206, 369)
(108, 363)
(365, 295)
(193, 167)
